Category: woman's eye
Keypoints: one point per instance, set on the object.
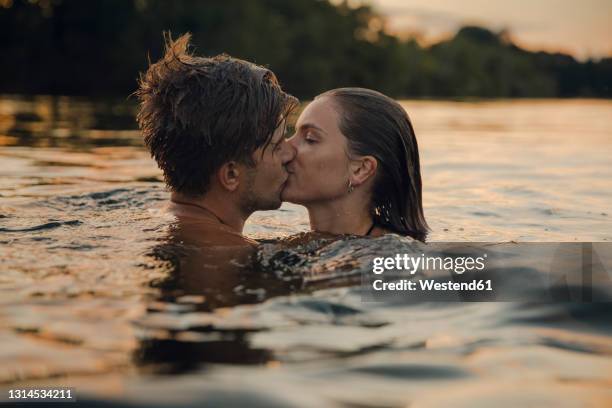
(309, 139)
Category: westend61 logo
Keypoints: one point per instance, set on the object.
(412, 264)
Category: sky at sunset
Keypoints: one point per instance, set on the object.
(582, 28)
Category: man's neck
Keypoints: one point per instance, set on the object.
(214, 207)
(344, 216)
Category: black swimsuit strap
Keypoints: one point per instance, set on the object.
(370, 230)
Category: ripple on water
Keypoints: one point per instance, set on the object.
(42, 227)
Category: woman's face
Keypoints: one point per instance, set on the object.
(320, 169)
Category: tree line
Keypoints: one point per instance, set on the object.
(97, 48)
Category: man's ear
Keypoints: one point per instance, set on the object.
(229, 176)
(363, 169)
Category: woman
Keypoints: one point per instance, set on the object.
(357, 167)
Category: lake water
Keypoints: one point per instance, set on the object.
(87, 302)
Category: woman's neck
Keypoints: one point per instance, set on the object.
(340, 217)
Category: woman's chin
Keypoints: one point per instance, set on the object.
(288, 195)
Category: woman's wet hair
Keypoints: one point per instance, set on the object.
(198, 113)
(376, 125)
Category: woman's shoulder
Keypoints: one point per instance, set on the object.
(379, 231)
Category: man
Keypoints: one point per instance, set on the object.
(216, 128)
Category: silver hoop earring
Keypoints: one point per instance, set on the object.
(350, 187)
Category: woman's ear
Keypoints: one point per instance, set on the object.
(363, 169)
(229, 176)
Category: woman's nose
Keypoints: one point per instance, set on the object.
(289, 151)
(294, 141)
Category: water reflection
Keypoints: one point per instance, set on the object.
(184, 326)
(56, 121)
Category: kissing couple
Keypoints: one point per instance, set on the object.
(217, 129)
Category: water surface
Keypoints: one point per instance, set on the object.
(89, 295)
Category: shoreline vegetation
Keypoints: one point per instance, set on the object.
(76, 48)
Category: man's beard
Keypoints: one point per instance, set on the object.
(251, 201)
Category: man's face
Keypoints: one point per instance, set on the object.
(266, 180)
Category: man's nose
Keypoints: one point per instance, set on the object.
(289, 151)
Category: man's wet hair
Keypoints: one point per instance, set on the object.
(198, 113)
